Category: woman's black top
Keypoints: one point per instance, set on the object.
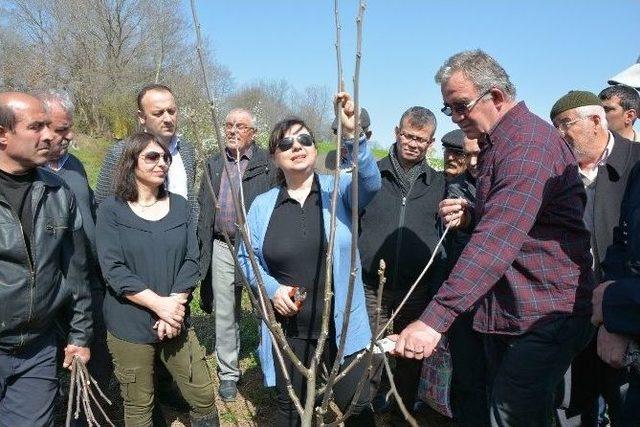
(295, 253)
(137, 254)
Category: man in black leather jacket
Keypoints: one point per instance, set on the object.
(42, 267)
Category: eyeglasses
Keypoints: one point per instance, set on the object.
(415, 138)
(153, 157)
(461, 107)
(305, 139)
(563, 127)
(239, 126)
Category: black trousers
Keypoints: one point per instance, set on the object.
(469, 376)
(343, 391)
(406, 371)
(524, 370)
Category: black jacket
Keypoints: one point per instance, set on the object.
(610, 186)
(259, 177)
(32, 294)
(403, 231)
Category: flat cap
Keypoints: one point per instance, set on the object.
(453, 140)
(365, 121)
(574, 99)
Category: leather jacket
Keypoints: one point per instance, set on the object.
(34, 290)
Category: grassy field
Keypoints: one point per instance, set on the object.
(256, 404)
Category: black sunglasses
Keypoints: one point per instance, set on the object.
(153, 157)
(305, 139)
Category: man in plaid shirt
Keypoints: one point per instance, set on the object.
(527, 267)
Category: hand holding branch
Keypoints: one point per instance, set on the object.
(416, 341)
(454, 212)
(73, 350)
(346, 110)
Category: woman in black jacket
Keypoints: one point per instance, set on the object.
(149, 257)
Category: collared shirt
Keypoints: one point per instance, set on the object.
(294, 251)
(528, 259)
(589, 175)
(226, 217)
(177, 176)
(61, 162)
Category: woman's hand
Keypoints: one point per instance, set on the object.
(164, 330)
(346, 109)
(171, 309)
(283, 303)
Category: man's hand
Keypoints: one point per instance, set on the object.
(596, 300)
(73, 350)
(453, 212)
(283, 303)
(416, 341)
(346, 110)
(171, 309)
(612, 348)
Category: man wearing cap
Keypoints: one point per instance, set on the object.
(622, 105)
(400, 225)
(453, 144)
(605, 160)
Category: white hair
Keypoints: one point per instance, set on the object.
(57, 96)
(593, 110)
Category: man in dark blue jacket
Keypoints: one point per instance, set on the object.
(616, 302)
(400, 225)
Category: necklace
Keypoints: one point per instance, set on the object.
(147, 206)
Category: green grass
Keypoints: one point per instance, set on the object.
(91, 151)
(327, 146)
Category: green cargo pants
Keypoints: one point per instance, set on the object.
(184, 358)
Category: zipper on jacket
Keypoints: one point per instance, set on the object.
(32, 274)
(403, 208)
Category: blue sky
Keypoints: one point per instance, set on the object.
(548, 47)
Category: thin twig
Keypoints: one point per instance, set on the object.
(80, 389)
(354, 268)
(394, 390)
(379, 334)
(367, 372)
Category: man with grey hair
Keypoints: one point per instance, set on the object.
(527, 268)
(248, 165)
(605, 160)
(622, 105)
(68, 167)
(400, 225)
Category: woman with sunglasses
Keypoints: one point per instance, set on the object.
(289, 230)
(148, 253)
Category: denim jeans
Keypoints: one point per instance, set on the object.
(525, 370)
(29, 384)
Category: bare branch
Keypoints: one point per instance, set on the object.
(394, 390)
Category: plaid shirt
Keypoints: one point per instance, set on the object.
(528, 260)
(226, 217)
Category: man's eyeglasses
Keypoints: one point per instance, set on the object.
(238, 126)
(461, 108)
(415, 138)
(305, 139)
(153, 157)
(563, 127)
